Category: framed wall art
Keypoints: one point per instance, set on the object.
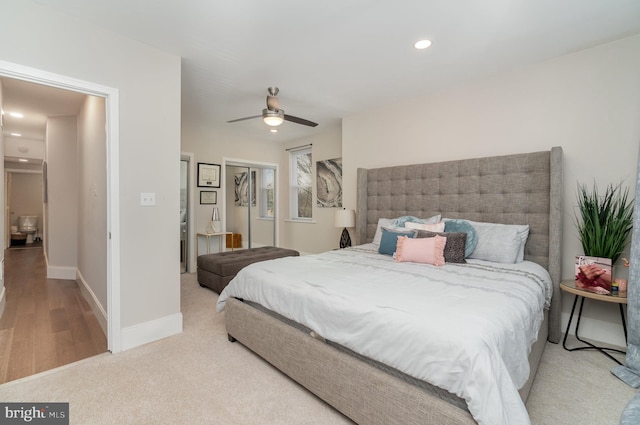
(208, 197)
(329, 182)
(208, 175)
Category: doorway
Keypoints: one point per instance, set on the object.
(251, 194)
(112, 224)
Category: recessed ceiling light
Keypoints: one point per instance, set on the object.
(23, 160)
(422, 44)
(16, 114)
(274, 130)
(16, 134)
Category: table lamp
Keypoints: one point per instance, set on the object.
(344, 218)
(215, 216)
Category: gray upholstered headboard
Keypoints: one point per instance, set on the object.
(510, 189)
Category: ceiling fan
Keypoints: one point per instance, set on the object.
(272, 115)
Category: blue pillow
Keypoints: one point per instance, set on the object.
(463, 226)
(399, 222)
(389, 239)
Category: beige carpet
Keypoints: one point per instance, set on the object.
(198, 377)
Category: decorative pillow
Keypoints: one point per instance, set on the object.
(455, 247)
(401, 221)
(382, 222)
(452, 225)
(390, 224)
(426, 250)
(438, 227)
(389, 239)
(502, 243)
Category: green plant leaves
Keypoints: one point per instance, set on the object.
(604, 222)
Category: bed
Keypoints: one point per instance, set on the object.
(373, 388)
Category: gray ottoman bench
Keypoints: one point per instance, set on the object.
(215, 271)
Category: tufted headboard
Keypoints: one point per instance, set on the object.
(510, 189)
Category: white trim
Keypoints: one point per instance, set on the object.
(111, 95)
(143, 333)
(3, 298)
(92, 300)
(19, 170)
(60, 272)
(191, 176)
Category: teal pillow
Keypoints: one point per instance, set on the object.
(463, 226)
(389, 239)
(399, 222)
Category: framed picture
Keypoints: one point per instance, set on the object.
(208, 197)
(208, 175)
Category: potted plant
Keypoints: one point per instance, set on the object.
(604, 225)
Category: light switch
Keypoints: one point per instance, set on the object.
(147, 199)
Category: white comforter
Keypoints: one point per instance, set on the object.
(465, 328)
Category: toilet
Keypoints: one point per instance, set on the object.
(28, 224)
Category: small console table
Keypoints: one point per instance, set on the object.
(570, 287)
(220, 235)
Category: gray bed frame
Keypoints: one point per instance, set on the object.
(511, 189)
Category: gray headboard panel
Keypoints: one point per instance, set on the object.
(510, 189)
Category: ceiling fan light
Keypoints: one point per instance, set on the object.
(273, 118)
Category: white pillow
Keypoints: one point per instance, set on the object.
(388, 223)
(438, 227)
(382, 222)
(501, 243)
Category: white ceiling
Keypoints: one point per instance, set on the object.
(333, 58)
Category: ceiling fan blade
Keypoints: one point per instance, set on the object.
(299, 120)
(245, 118)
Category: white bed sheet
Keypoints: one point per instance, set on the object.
(465, 328)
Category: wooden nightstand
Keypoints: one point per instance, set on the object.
(570, 287)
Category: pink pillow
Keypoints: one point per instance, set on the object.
(423, 250)
(437, 227)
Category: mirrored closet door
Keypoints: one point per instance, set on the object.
(250, 204)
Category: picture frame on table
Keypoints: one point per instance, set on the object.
(208, 175)
(208, 197)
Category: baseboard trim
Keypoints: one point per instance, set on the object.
(93, 301)
(59, 272)
(143, 333)
(3, 299)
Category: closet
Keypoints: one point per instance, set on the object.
(250, 204)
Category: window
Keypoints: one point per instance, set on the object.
(300, 197)
(267, 193)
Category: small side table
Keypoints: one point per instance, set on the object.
(570, 287)
(220, 235)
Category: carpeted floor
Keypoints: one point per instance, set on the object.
(198, 377)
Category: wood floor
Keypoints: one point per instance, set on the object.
(46, 322)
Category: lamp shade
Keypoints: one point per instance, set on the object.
(215, 216)
(344, 218)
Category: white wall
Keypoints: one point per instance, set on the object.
(61, 228)
(320, 235)
(587, 102)
(21, 147)
(92, 205)
(148, 83)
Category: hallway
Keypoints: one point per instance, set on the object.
(46, 323)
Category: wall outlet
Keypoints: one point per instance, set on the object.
(147, 199)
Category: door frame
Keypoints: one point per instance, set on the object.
(191, 234)
(112, 125)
